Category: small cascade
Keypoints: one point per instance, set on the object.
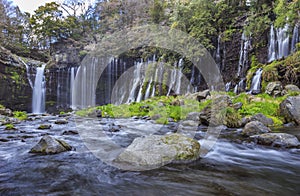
(228, 86)
(239, 87)
(179, 76)
(39, 91)
(295, 38)
(28, 73)
(256, 82)
(272, 45)
(218, 53)
(243, 60)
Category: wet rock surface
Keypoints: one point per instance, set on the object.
(254, 128)
(290, 109)
(155, 151)
(277, 140)
(50, 145)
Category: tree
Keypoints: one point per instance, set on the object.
(47, 23)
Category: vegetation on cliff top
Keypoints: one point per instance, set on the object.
(203, 19)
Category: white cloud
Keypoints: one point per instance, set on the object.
(30, 5)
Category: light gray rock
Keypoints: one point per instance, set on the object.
(290, 109)
(195, 116)
(189, 123)
(277, 139)
(155, 151)
(274, 88)
(263, 119)
(50, 145)
(291, 88)
(255, 128)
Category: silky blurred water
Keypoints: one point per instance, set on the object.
(229, 169)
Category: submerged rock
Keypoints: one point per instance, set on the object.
(290, 109)
(61, 122)
(70, 132)
(255, 128)
(43, 127)
(50, 145)
(155, 151)
(277, 139)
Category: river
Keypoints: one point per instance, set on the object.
(230, 168)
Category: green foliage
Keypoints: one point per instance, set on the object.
(20, 115)
(157, 105)
(262, 103)
(2, 107)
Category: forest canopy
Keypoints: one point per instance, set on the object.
(203, 19)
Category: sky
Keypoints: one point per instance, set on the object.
(29, 5)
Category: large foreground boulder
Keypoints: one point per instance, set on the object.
(255, 128)
(155, 151)
(277, 139)
(50, 145)
(290, 109)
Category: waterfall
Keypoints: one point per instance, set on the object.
(279, 42)
(245, 45)
(123, 83)
(84, 91)
(283, 41)
(272, 45)
(147, 94)
(154, 84)
(295, 38)
(136, 82)
(179, 76)
(39, 91)
(73, 75)
(255, 85)
(173, 78)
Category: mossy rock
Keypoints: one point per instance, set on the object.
(50, 145)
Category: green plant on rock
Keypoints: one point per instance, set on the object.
(229, 117)
(20, 115)
(9, 127)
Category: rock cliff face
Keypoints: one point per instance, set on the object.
(15, 91)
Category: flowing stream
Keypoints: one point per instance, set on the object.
(231, 168)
